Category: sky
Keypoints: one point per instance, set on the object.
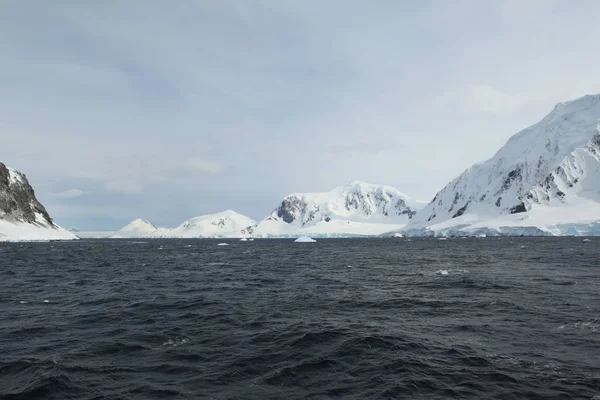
(161, 110)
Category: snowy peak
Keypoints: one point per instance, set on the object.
(135, 229)
(547, 164)
(226, 224)
(22, 216)
(356, 200)
(345, 209)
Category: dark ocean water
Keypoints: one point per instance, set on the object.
(270, 319)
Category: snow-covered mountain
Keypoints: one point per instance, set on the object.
(545, 180)
(226, 224)
(22, 216)
(356, 209)
(135, 229)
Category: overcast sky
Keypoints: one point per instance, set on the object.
(166, 110)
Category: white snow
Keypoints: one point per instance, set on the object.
(12, 230)
(552, 169)
(15, 176)
(355, 209)
(226, 224)
(305, 239)
(23, 232)
(138, 228)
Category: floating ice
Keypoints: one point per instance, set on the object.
(442, 272)
(243, 240)
(23, 302)
(586, 240)
(46, 301)
(305, 239)
(223, 244)
(251, 240)
(397, 235)
(523, 247)
(443, 238)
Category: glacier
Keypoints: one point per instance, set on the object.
(226, 224)
(544, 181)
(356, 209)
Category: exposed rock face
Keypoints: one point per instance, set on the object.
(17, 199)
(355, 209)
(357, 200)
(552, 163)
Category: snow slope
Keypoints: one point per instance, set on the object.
(38, 231)
(226, 224)
(135, 229)
(355, 209)
(22, 216)
(544, 180)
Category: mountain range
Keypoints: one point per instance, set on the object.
(544, 181)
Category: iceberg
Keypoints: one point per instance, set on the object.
(304, 239)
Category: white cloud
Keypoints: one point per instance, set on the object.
(364, 148)
(123, 186)
(484, 99)
(71, 193)
(201, 165)
(299, 96)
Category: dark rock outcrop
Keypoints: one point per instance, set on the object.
(17, 199)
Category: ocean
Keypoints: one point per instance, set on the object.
(485, 318)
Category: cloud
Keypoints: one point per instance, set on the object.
(484, 99)
(364, 147)
(124, 186)
(67, 194)
(270, 97)
(185, 168)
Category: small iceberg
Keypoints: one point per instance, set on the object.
(586, 240)
(443, 238)
(223, 244)
(305, 239)
(243, 240)
(443, 272)
(251, 240)
(397, 235)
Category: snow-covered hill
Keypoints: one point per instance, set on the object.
(22, 216)
(135, 229)
(226, 224)
(356, 209)
(545, 180)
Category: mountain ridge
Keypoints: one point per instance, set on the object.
(22, 216)
(541, 166)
